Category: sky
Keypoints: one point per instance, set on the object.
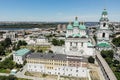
(58, 10)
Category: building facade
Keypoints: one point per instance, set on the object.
(20, 55)
(57, 64)
(77, 40)
(11, 35)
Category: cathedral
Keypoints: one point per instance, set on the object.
(103, 32)
(77, 42)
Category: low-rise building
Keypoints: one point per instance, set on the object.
(19, 56)
(57, 64)
(10, 35)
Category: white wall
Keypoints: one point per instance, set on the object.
(61, 70)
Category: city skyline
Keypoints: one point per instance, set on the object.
(57, 10)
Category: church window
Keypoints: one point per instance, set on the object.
(76, 43)
(103, 35)
(70, 43)
(82, 44)
(104, 24)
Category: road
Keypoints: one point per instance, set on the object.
(6, 56)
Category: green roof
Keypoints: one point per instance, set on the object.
(69, 26)
(22, 52)
(76, 23)
(82, 27)
(76, 35)
(89, 44)
(104, 12)
(103, 44)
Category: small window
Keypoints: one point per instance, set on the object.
(82, 44)
(104, 24)
(103, 35)
(76, 70)
(70, 43)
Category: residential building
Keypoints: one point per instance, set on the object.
(11, 35)
(20, 55)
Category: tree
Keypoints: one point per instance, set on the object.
(11, 77)
(116, 41)
(116, 62)
(91, 59)
(40, 50)
(50, 51)
(62, 42)
(108, 53)
(95, 38)
(108, 60)
(8, 42)
(2, 50)
(55, 42)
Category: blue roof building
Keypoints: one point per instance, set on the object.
(19, 56)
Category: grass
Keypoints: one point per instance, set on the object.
(117, 74)
(4, 71)
(28, 74)
(44, 48)
(23, 79)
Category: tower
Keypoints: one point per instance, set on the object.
(103, 32)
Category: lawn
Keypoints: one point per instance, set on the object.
(4, 71)
(117, 74)
(44, 48)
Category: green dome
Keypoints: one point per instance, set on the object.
(76, 35)
(76, 23)
(69, 26)
(82, 27)
(104, 19)
(89, 44)
(104, 12)
(103, 44)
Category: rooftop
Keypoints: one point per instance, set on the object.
(103, 44)
(22, 52)
(53, 56)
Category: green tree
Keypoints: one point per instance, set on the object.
(108, 53)
(108, 60)
(55, 42)
(91, 59)
(95, 38)
(8, 42)
(116, 62)
(116, 41)
(62, 42)
(2, 50)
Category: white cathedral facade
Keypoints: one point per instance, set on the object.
(77, 41)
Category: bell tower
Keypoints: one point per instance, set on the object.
(103, 31)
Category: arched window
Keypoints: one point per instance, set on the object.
(103, 35)
(104, 24)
